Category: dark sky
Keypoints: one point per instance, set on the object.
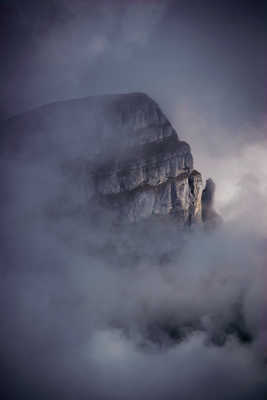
(211, 53)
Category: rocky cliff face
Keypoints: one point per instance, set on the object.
(134, 161)
(154, 174)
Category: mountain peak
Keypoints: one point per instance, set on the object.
(134, 160)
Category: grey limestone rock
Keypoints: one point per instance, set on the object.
(153, 175)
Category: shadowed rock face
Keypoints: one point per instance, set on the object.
(129, 154)
(209, 215)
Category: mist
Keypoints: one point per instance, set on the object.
(94, 310)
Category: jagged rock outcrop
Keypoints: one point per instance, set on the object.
(132, 158)
(209, 215)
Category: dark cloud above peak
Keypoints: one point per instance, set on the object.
(210, 52)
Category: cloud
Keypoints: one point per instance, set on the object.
(235, 159)
(146, 312)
